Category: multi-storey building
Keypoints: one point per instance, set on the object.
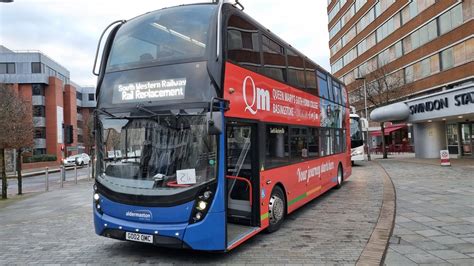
(428, 46)
(60, 108)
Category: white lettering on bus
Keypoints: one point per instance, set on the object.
(260, 97)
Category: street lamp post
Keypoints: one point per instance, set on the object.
(366, 117)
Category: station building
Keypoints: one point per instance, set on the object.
(61, 109)
(429, 46)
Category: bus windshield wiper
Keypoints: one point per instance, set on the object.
(144, 109)
(105, 112)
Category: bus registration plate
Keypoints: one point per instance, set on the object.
(139, 237)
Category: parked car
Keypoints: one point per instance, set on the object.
(78, 159)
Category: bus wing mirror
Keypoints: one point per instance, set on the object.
(214, 123)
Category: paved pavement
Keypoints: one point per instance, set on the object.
(435, 213)
(37, 183)
(56, 227)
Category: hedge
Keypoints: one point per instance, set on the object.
(40, 158)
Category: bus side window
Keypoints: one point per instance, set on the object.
(323, 85)
(313, 143)
(295, 69)
(327, 141)
(344, 96)
(310, 75)
(336, 91)
(273, 59)
(276, 150)
(298, 143)
(243, 45)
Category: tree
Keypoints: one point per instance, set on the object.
(16, 130)
(383, 88)
(89, 140)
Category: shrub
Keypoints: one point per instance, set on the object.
(40, 158)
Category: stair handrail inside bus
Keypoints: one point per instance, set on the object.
(246, 181)
(100, 41)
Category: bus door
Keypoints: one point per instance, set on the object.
(242, 179)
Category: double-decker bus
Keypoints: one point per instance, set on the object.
(210, 129)
(357, 138)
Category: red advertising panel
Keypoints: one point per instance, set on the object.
(254, 96)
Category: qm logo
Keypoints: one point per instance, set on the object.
(255, 98)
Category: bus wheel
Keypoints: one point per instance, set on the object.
(340, 177)
(276, 209)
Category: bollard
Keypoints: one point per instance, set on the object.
(62, 175)
(89, 171)
(75, 174)
(47, 179)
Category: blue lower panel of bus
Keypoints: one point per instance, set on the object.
(168, 225)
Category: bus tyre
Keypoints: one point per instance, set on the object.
(276, 209)
(340, 177)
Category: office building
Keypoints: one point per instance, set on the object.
(428, 46)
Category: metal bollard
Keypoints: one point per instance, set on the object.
(47, 179)
(89, 171)
(75, 174)
(62, 175)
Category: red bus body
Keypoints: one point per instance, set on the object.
(302, 181)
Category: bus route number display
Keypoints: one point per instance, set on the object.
(146, 91)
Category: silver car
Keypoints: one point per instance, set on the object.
(78, 159)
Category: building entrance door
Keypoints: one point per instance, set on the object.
(467, 139)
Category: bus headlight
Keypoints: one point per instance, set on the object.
(96, 197)
(202, 203)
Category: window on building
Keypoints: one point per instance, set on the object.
(336, 47)
(40, 133)
(335, 29)
(277, 149)
(388, 27)
(273, 59)
(295, 69)
(39, 151)
(91, 97)
(447, 59)
(359, 4)
(38, 89)
(451, 19)
(298, 143)
(336, 66)
(420, 37)
(350, 56)
(39, 111)
(334, 11)
(409, 74)
(351, 33)
(79, 95)
(7, 68)
(242, 43)
(348, 15)
(35, 67)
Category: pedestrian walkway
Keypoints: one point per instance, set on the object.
(435, 212)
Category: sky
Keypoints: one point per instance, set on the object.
(68, 30)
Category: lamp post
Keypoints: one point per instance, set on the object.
(366, 117)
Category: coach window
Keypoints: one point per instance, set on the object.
(295, 69)
(298, 143)
(277, 150)
(242, 43)
(310, 77)
(274, 59)
(313, 142)
(323, 85)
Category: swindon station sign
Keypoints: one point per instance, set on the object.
(454, 102)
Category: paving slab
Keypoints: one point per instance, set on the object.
(434, 222)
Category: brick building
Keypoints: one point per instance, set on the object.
(61, 109)
(426, 44)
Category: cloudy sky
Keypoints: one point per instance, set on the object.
(68, 30)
